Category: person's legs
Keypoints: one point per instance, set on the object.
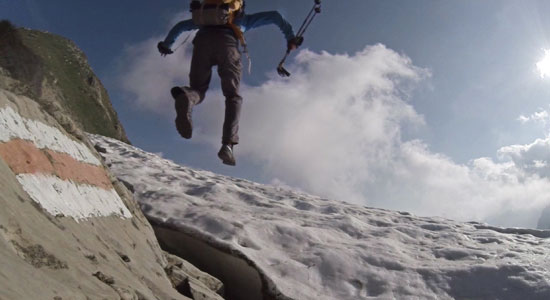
(187, 97)
(229, 69)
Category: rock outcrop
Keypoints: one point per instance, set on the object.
(68, 228)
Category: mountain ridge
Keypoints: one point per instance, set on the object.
(48, 66)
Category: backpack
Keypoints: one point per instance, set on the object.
(215, 12)
(220, 13)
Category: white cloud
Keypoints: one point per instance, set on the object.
(336, 116)
(334, 129)
(532, 159)
(540, 117)
(147, 77)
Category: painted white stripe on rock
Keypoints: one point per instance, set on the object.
(79, 201)
(14, 126)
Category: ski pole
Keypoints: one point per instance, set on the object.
(311, 15)
(280, 69)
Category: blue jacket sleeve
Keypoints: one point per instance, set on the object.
(175, 32)
(265, 18)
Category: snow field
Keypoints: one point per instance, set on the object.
(314, 248)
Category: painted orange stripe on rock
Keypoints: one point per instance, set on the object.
(24, 157)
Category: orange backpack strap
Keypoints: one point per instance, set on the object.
(238, 32)
(240, 36)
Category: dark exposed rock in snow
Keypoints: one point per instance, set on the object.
(544, 221)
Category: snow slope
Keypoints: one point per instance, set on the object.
(314, 248)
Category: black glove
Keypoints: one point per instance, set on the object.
(163, 49)
(295, 42)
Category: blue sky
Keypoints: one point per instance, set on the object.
(463, 85)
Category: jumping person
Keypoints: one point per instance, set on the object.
(217, 44)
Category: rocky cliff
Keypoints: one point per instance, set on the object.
(68, 228)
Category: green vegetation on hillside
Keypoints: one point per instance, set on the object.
(19, 61)
(66, 70)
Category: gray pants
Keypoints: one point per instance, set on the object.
(217, 47)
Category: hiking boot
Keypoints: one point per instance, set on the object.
(184, 108)
(226, 154)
